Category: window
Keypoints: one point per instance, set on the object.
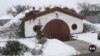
(36, 28)
(74, 26)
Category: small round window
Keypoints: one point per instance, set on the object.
(36, 28)
(74, 26)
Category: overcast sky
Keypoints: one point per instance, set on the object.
(5, 4)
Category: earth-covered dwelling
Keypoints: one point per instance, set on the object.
(56, 22)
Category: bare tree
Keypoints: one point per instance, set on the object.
(17, 9)
(87, 8)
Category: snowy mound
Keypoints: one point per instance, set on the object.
(53, 47)
(17, 18)
(97, 25)
(29, 42)
(57, 48)
(87, 22)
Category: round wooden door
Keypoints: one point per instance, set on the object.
(57, 29)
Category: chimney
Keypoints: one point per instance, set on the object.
(47, 8)
(73, 11)
(65, 8)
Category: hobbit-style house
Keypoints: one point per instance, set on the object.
(56, 22)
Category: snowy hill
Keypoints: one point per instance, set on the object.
(17, 18)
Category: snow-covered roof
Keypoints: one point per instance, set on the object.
(49, 10)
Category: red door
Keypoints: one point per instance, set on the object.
(57, 29)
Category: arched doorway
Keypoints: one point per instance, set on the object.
(57, 29)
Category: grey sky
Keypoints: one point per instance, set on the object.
(5, 4)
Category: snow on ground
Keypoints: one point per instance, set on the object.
(53, 47)
(0, 26)
(2, 44)
(97, 25)
(85, 21)
(28, 54)
(57, 48)
(88, 37)
(29, 42)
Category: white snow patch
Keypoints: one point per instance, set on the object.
(2, 44)
(57, 48)
(29, 42)
(14, 20)
(88, 37)
(97, 25)
(3, 39)
(85, 21)
(27, 54)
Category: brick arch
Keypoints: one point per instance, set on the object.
(57, 29)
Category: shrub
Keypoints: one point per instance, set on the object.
(40, 35)
(21, 28)
(14, 48)
(86, 28)
(0, 49)
(89, 28)
(98, 36)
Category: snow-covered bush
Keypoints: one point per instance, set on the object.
(41, 40)
(10, 31)
(16, 30)
(40, 35)
(88, 28)
(14, 48)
